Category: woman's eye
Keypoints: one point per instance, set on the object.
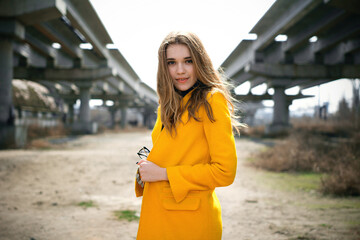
(189, 61)
(171, 62)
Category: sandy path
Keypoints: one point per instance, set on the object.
(40, 190)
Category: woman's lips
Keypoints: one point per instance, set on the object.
(182, 80)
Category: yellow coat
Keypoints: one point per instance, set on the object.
(200, 157)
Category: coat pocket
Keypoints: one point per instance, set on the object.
(189, 204)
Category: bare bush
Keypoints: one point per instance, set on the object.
(35, 135)
(296, 153)
(344, 175)
(36, 131)
(316, 149)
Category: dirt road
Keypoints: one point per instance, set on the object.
(40, 192)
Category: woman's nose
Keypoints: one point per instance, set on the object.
(180, 68)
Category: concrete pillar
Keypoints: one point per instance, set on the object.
(84, 115)
(7, 128)
(6, 76)
(84, 124)
(112, 118)
(281, 111)
(149, 117)
(280, 121)
(123, 117)
(146, 117)
(112, 110)
(70, 114)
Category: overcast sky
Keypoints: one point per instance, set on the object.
(137, 28)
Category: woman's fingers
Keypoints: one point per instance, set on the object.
(141, 161)
(150, 172)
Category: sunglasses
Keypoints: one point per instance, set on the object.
(143, 154)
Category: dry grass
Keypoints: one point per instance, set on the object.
(35, 131)
(297, 153)
(36, 135)
(329, 148)
(255, 131)
(344, 173)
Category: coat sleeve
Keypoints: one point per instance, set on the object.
(221, 169)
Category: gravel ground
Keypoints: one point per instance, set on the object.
(40, 192)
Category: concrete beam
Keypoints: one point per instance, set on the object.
(273, 54)
(257, 98)
(257, 81)
(279, 24)
(342, 53)
(352, 46)
(241, 77)
(11, 28)
(124, 70)
(28, 56)
(54, 35)
(313, 83)
(239, 56)
(348, 5)
(105, 88)
(342, 32)
(32, 11)
(40, 46)
(310, 71)
(71, 75)
(82, 25)
(324, 53)
(313, 27)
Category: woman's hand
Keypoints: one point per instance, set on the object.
(150, 172)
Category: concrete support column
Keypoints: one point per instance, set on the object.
(70, 114)
(8, 132)
(83, 123)
(6, 76)
(281, 111)
(10, 135)
(112, 111)
(123, 117)
(84, 115)
(146, 117)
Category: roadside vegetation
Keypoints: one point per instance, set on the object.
(129, 215)
(87, 204)
(327, 150)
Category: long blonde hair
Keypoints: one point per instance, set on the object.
(209, 79)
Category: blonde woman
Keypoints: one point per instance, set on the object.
(193, 146)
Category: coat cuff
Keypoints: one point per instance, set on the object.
(178, 188)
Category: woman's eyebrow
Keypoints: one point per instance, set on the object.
(186, 58)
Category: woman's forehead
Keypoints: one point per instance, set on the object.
(177, 51)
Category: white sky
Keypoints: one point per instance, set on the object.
(137, 28)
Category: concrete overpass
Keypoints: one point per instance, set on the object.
(298, 43)
(63, 45)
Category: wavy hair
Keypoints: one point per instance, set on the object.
(208, 80)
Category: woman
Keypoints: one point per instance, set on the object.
(193, 146)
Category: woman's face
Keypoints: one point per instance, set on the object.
(180, 66)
